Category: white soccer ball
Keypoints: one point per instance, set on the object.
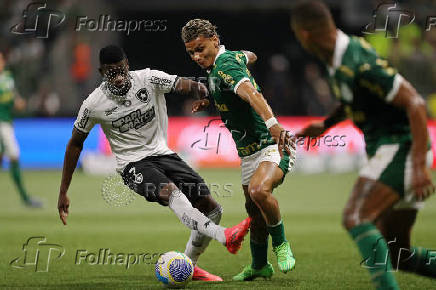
(174, 269)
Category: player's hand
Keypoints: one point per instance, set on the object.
(63, 205)
(285, 140)
(422, 185)
(313, 130)
(200, 105)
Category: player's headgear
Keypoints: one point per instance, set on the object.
(111, 54)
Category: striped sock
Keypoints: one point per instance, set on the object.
(375, 253)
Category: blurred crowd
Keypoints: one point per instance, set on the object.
(55, 74)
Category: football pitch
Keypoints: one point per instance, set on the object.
(311, 207)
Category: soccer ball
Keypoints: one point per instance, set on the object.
(174, 269)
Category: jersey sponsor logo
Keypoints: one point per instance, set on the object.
(110, 111)
(226, 77)
(221, 107)
(160, 81)
(142, 95)
(134, 120)
(84, 120)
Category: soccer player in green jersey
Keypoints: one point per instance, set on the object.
(392, 185)
(9, 100)
(266, 150)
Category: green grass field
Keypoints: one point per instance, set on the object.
(311, 207)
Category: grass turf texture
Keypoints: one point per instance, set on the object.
(311, 207)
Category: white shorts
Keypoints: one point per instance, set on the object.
(9, 145)
(270, 153)
(392, 165)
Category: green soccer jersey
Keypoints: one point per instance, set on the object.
(7, 88)
(365, 84)
(247, 128)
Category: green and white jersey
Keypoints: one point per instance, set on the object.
(366, 85)
(7, 93)
(247, 128)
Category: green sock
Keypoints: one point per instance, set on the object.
(259, 254)
(16, 176)
(420, 261)
(277, 233)
(375, 253)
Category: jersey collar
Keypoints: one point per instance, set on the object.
(221, 50)
(342, 41)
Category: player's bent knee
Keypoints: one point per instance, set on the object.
(258, 193)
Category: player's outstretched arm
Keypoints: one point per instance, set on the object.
(251, 56)
(248, 93)
(317, 128)
(408, 99)
(195, 89)
(72, 154)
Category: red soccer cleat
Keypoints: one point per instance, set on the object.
(203, 275)
(235, 235)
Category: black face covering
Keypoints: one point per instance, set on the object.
(111, 74)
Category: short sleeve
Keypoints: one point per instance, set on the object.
(162, 81)
(381, 79)
(234, 72)
(85, 120)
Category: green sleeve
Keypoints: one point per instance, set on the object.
(376, 75)
(233, 71)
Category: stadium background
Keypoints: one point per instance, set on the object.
(55, 74)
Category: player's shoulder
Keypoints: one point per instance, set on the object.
(362, 50)
(153, 76)
(97, 96)
(231, 58)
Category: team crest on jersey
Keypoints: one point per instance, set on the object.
(142, 95)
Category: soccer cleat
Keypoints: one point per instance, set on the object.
(203, 275)
(249, 274)
(285, 258)
(235, 235)
(33, 203)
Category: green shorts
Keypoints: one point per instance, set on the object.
(391, 164)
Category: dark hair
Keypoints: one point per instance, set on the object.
(111, 54)
(198, 27)
(311, 15)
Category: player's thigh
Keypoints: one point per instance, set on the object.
(147, 180)
(269, 169)
(8, 140)
(188, 181)
(267, 176)
(368, 200)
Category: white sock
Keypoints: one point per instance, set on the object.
(193, 218)
(198, 243)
